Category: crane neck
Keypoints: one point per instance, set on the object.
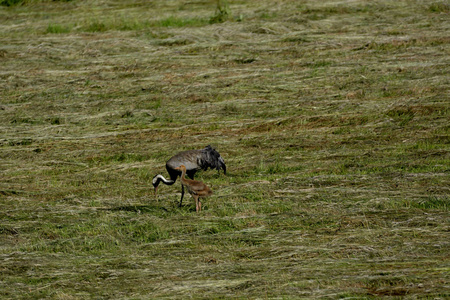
(158, 178)
(183, 174)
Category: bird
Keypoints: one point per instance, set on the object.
(196, 188)
(193, 160)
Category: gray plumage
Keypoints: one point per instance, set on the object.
(193, 160)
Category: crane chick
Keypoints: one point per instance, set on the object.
(196, 188)
(193, 160)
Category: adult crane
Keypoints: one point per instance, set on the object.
(193, 160)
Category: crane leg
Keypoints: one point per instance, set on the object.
(182, 194)
(197, 204)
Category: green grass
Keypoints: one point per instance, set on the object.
(57, 28)
(127, 23)
(332, 119)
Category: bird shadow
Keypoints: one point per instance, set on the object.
(139, 208)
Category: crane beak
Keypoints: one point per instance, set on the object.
(156, 189)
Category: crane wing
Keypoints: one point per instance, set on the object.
(187, 158)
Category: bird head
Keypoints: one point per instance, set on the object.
(181, 168)
(222, 165)
(155, 182)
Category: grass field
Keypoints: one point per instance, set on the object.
(332, 118)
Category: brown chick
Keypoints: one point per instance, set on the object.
(196, 188)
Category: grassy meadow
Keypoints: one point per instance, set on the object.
(332, 117)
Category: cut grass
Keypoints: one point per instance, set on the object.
(128, 24)
(332, 119)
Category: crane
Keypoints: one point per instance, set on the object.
(193, 160)
(196, 188)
